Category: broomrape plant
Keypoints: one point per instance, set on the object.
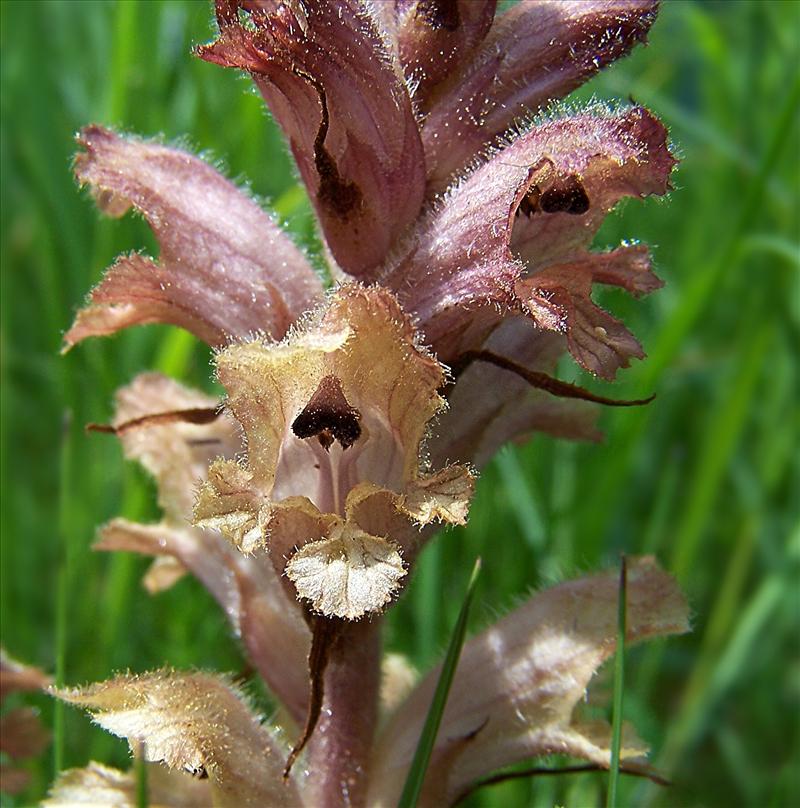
(457, 229)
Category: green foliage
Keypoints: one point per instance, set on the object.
(706, 477)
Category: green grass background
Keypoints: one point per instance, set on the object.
(706, 477)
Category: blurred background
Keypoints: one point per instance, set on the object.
(707, 477)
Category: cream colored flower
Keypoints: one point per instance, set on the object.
(332, 484)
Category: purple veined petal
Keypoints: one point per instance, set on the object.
(536, 204)
(436, 38)
(535, 53)
(225, 269)
(327, 71)
(518, 683)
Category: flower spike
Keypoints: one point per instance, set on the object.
(458, 222)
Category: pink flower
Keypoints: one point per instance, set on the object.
(457, 221)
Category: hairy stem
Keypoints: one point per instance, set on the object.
(338, 751)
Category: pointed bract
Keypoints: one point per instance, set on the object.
(197, 723)
(518, 683)
(177, 453)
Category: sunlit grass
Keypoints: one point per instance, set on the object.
(706, 477)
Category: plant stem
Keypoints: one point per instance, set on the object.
(338, 752)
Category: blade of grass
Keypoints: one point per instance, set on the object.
(700, 290)
(422, 756)
(755, 619)
(175, 353)
(720, 442)
(719, 668)
(62, 591)
(619, 685)
(522, 499)
(125, 36)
